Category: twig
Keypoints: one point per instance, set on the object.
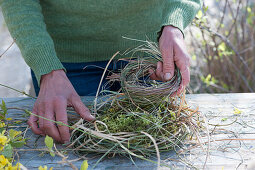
(7, 49)
(64, 159)
(223, 38)
(235, 19)
(22, 92)
(222, 18)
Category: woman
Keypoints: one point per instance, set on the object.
(57, 38)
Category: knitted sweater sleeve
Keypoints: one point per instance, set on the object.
(179, 13)
(25, 22)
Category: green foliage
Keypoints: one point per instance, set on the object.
(10, 138)
(127, 122)
(135, 120)
(209, 80)
(49, 143)
(223, 43)
(194, 57)
(84, 165)
(3, 111)
(16, 140)
(18, 144)
(224, 119)
(251, 15)
(201, 19)
(199, 14)
(223, 50)
(7, 151)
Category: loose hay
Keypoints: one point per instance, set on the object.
(141, 121)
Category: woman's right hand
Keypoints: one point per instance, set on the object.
(56, 93)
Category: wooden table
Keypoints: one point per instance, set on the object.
(232, 136)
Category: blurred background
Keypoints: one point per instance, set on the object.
(13, 70)
(221, 42)
(222, 46)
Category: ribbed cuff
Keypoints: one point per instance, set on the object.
(180, 14)
(42, 60)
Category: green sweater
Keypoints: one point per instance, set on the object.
(49, 32)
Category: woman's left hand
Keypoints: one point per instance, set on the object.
(173, 50)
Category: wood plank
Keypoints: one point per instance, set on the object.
(223, 153)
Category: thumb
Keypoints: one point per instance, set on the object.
(168, 63)
(82, 110)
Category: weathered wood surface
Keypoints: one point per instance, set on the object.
(225, 150)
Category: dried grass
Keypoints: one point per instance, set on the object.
(143, 119)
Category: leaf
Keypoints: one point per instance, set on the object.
(224, 119)
(209, 80)
(18, 138)
(18, 144)
(14, 133)
(205, 8)
(84, 165)
(237, 111)
(42, 168)
(48, 142)
(52, 153)
(222, 46)
(8, 151)
(194, 57)
(3, 108)
(199, 14)
(249, 9)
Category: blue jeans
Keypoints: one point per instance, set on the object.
(86, 81)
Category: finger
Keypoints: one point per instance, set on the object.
(182, 62)
(185, 73)
(81, 109)
(61, 116)
(49, 126)
(32, 122)
(153, 75)
(159, 71)
(41, 121)
(40, 112)
(168, 62)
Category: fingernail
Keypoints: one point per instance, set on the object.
(92, 117)
(167, 76)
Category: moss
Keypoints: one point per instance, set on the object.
(136, 119)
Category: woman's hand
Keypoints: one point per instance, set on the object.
(173, 50)
(56, 93)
